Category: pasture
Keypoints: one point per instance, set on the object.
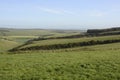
(90, 62)
(68, 43)
(100, 62)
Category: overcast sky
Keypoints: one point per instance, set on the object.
(59, 14)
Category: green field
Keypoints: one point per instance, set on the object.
(5, 45)
(59, 43)
(95, 63)
(8, 42)
(37, 32)
(90, 62)
(65, 41)
(15, 37)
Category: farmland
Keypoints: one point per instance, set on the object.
(37, 32)
(91, 62)
(20, 36)
(94, 63)
(67, 43)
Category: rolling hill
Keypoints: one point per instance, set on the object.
(52, 44)
(7, 44)
(60, 58)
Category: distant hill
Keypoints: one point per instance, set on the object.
(109, 31)
(37, 32)
(93, 37)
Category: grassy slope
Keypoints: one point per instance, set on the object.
(100, 62)
(19, 36)
(39, 32)
(65, 41)
(19, 39)
(6, 45)
(72, 65)
(8, 42)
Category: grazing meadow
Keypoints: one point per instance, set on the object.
(88, 63)
(91, 61)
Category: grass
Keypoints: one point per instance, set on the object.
(8, 42)
(71, 65)
(6, 45)
(98, 62)
(66, 41)
(19, 36)
(22, 39)
(38, 32)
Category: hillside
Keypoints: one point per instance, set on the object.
(37, 32)
(100, 62)
(7, 44)
(103, 32)
(20, 36)
(52, 44)
(60, 57)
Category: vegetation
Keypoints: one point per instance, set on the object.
(80, 64)
(66, 43)
(103, 32)
(37, 32)
(59, 55)
(7, 44)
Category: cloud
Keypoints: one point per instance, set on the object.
(51, 11)
(56, 11)
(98, 14)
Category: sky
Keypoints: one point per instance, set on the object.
(59, 14)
